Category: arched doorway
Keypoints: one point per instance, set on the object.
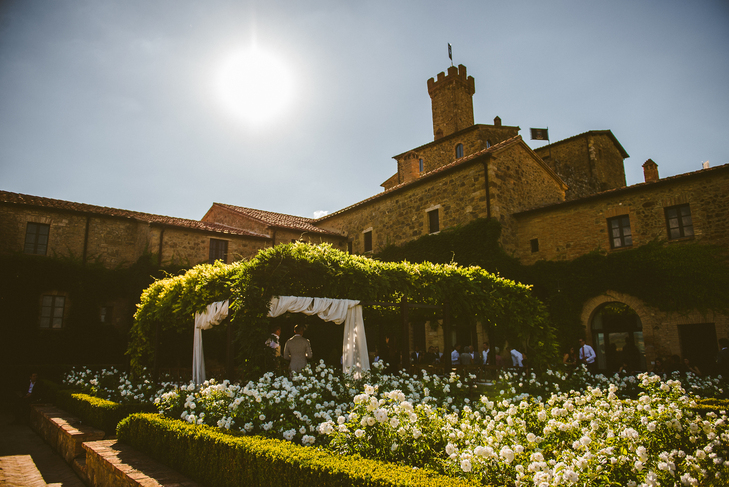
(617, 333)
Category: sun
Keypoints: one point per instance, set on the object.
(254, 85)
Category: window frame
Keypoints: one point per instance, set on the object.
(625, 239)
(367, 240)
(32, 238)
(215, 250)
(433, 214)
(459, 150)
(679, 218)
(534, 243)
(47, 321)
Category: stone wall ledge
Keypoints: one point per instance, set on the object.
(64, 432)
(114, 464)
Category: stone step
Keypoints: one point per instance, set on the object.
(110, 464)
(20, 471)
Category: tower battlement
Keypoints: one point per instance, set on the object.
(455, 75)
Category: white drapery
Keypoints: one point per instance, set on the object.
(355, 357)
(213, 315)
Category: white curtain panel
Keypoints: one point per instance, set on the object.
(355, 357)
(213, 315)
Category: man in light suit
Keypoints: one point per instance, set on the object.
(297, 349)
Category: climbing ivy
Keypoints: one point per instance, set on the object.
(24, 279)
(321, 271)
(677, 277)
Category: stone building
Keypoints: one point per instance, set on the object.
(558, 202)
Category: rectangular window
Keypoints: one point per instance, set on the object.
(678, 222)
(535, 245)
(350, 247)
(433, 221)
(52, 312)
(36, 238)
(105, 314)
(420, 165)
(368, 241)
(619, 230)
(218, 250)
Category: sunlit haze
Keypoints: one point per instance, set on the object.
(254, 85)
(166, 107)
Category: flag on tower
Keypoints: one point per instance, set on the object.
(450, 52)
(540, 134)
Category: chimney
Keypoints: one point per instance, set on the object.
(650, 171)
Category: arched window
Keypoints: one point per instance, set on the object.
(488, 144)
(459, 151)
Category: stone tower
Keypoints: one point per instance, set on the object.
(452, 100)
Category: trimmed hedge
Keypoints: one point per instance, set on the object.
(708, 404)
(216, 458)
(99, 413)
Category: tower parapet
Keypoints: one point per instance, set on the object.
(452, 101)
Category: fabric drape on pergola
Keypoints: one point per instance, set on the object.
(213, 315)
(355, 358)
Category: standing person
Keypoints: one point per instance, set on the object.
(485, 353)
(297, 349)
(466, 358)
(30, 394)
(587, 356)
(722, 359)
(273, 347)
(456, 355)
(517, 358)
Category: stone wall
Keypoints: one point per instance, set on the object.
(589, 163)
(519, 180)
(572, 229)
(111, 241)
(443, 151)
(401, 216)
(660, 329)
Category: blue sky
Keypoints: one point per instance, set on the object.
(115, 103)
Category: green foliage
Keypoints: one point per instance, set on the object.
(671, 277)
(212, 457)
(99, 413)
(306, 270)
(25, 278)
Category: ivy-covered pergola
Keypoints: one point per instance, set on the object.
(299, 269)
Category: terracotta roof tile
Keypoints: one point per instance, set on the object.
(628, 189)
(38, 201)
(280, 220)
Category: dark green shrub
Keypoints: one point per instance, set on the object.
(216, 458)
(99, 413)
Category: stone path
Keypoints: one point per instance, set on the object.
(27, 461)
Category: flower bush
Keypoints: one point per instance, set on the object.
(114, 385)
(589, 437)
(556, 428)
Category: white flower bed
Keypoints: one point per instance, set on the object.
(606, 431)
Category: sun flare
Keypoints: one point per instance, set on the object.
(254, 85)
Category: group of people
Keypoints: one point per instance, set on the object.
(467, 355)
(582, 354)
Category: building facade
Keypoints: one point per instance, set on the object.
(558, 202)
